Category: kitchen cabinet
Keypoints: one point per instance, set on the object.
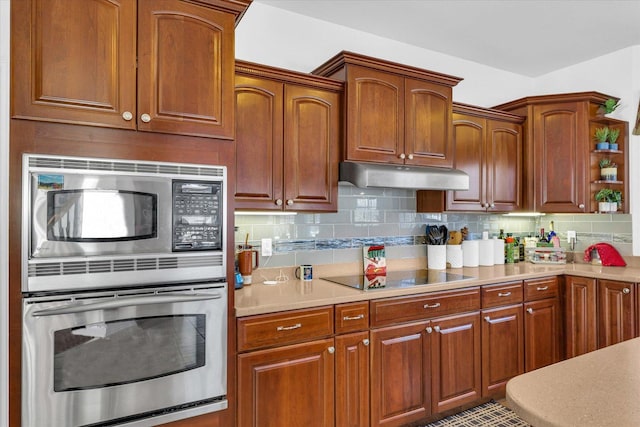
(559, 167)
(394, 113)
(542, 323)
(429, 364)
(502, 336)
(580, 315)
(488, 147)
(149, 65)
(287, 140)
(617, 312)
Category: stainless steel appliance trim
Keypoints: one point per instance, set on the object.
(177, 415)
(123, 302)
(378, 175)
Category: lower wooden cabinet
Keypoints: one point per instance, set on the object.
(617, 312)
(542, 333)
(352, 380)
(580, 315)
(502, 348)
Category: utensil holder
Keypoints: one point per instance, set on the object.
(454, 256)
(437, 257)
(470, 253)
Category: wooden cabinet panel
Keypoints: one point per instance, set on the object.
(415, 307)
(617, 312)
(74, 61)
(268, 330)
(542, 333)
(287, 386)
(427, 124)
(502, 348)
(504, 170)
(400, 374)
(501, 294)
(580, 315)
(470, 157)
(352, 317)
(535, 289)
(455, 361)
(287, 140)
(352, 380)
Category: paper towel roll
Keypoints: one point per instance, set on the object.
(485, 248)
(498, 251)
(470, 253)
(454, 256)
(436, 257)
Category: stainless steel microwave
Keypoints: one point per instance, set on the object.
(95, 223)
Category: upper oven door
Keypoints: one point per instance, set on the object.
(102, 357)
(92, 214)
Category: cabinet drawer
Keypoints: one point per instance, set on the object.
(535, 289)
(501, 294)
(269, 330)
(352, 317)
(404, 309)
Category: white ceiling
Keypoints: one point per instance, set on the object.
(527, 37)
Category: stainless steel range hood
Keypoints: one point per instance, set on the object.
(365, 175)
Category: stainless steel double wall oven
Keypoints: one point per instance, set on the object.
(124, 291)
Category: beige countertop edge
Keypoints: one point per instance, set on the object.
(597, 389)
(258, 298)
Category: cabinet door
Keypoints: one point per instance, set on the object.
(352, 380)
(560, 153)
(470, 157)
(502, 348)
(375, 102)
(503, 166)
(259, 143)
(287, 386)
(311, 144)
(616, 312)
(185, 69)
(580, 315)
(427, 109)
(400, 377)
(74, 61)
(455, 361)
(541, 333)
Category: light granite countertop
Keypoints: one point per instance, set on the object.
(259, 298)
(597, 389)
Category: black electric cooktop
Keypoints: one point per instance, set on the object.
(397, 279)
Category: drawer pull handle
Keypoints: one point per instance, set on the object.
(542, 288)
(436, 328)
(487, 318)
(436, 305)
(429, 329)
(626, 291)
(505, 294)
(530, 310)
(288, 328)
(358, 317)
(365, 341)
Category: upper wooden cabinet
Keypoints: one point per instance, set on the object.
(394, 113)
(558, 165)
(151, 65)
(488, 147)
(287, 139)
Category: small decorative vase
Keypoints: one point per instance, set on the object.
(603, 207)
(609, 174)
(602, 146)
(613, 146)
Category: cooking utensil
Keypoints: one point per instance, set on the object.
(437, 235)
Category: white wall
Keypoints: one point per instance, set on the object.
(283, 39)
(4, 212)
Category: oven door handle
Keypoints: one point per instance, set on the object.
(124, 302)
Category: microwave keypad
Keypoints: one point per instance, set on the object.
(196, 217)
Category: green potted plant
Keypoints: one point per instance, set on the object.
(609, 106)
(617, 195)
(601, 135)
(608, 170)
(612, 138)
(604, 197)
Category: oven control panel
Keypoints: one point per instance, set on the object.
(197, 215)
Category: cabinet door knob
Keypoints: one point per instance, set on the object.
(410, 156)
(530, 310)
(581, 205)
(127, 115)
(278, 202)
(289, 202)
(626, 291)
(331, 350)
(365, 341)
(145, 118)
(402, 156)
(487, 318)
(493, 205)
(436, 328)
(429, 329)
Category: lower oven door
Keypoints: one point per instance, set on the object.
(134, 357)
